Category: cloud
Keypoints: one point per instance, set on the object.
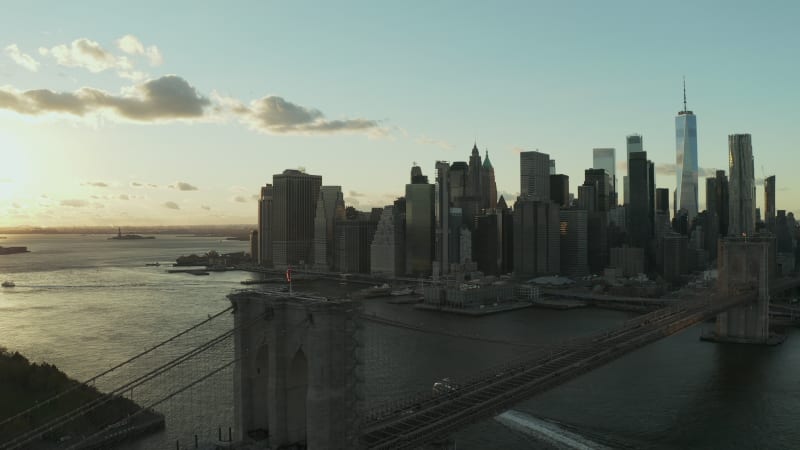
(131, 45)
(16, 205)
(150, 185)
(273, 114)
(206, 207)
(86, 54)
(254, 197)
(355, 194)
(96, 184)
(136, 184)
(436, 142)
(669, 169)
(75, 203)
(183, 186)
(167, 98)
(23, 59)
(123, 197)
(171, 205)
(240, 199)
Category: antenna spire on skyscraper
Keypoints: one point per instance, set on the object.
(684, 94)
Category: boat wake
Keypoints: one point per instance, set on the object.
(548, 432)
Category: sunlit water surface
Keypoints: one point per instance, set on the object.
(85, 303)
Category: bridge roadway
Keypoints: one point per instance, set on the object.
(427, 418)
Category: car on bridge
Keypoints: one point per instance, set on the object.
(444, 386)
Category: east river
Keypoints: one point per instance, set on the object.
(85, 303)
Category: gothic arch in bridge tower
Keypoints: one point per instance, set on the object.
(297, 397)
(260, 383)
(297, 373)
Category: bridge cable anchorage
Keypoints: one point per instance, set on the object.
(112, 369)
(69, 416)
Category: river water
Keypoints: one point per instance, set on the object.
(85, 303)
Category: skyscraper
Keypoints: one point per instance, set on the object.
(420, 223)
(769, 201)
(605, 158)
(442, 211)
(475, 168)
(536, 238)
(633, 143)
(574, 242)
(294, 202)
(638, 215)
(353, 239)
(662, 200)
(488, 185)
(559, 190)
(534, 176)
(686, 160)
(330, 208)
(600, 179)
(383, 248)
(265, 226)
(742, 210)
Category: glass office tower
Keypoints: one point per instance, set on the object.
(686, 161)
(605, 158)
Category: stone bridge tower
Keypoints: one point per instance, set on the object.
(297, 375)
(746, 264)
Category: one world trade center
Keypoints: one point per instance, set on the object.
(686, 161)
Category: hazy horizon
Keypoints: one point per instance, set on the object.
(136, 118)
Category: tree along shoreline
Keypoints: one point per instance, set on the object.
(24, 384)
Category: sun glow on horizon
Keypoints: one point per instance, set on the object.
(16, 171)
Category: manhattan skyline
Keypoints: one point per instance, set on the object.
(359, 92)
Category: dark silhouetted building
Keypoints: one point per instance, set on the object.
(627, 260)
(354, 237)
(559, 190)
(675, 257)
(603, 187)
(264, 256)
(633, 144)
(330, 208)
(573, 225)
(662, 200)
(534, 176)
(442, 213)
(254, 245)
(639, 210)
(769, 202)
(387, 251)
(419, 224)
(294, 205)
(486, 243)
(488, 185)
(536, 238)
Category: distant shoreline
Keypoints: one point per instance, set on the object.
(194, 231)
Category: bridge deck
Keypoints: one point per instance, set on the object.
(429, 417)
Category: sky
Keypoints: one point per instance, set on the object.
(146, 113)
